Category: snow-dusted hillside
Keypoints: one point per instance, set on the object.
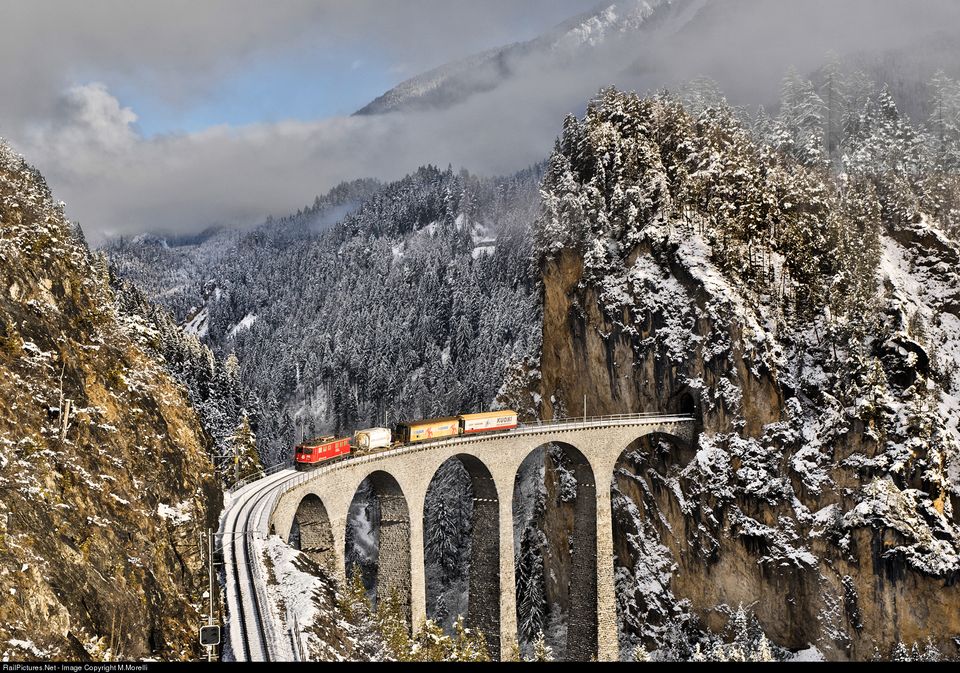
(456, 82)
(105, 481)
(412, 303)
(804, 304)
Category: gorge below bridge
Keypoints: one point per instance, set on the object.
(319, 503)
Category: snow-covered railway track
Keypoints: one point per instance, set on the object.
(250, 626)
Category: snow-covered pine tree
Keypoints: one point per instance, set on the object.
(802, 112)
(245, 460)
(532, 606)
(541, 650)
(944, 121)
(833, 93)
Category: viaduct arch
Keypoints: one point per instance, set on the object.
(401, 478)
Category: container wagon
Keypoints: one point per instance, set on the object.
(424, 431)
(372, 439)
(494, 421)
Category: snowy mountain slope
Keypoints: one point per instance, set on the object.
(101, 514)
(175, 271)
(809, 318)
(646, 45)
(456, 82)
(425, 280)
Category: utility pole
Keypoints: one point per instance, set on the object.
(210, 588)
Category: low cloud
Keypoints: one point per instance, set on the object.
(115, 181)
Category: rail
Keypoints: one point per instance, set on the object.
(523, 429)
(251, 630)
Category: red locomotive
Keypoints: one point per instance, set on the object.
(321, 450)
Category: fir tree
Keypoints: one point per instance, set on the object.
(541, 650)
(640, 653)
(394, 628)
(243, 446)
(469, 645)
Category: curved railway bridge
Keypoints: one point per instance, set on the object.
(319, 501)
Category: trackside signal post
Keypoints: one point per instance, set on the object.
(210, 634)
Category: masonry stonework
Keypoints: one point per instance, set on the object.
(493, 462)
(316, 534)
(582, 621)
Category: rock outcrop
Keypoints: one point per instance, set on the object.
(105, 486)
(821, 492)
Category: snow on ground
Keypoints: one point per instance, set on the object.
(696, 254)
(25, 646)
(178, 514)
(199, 325)
(924, 293)
(305, 604)
(908, 513)
(925, 288)
(595, 30)
(809, 654)
(245, 324)
(292, 592)
(488, 249)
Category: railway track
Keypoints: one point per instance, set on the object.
(250, 625)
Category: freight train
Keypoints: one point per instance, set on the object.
(324, 450)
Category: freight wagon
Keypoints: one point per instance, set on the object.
(472, 424)
(372, 439)
(424, 431)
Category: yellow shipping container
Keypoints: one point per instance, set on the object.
(422, 431)
(488, 422)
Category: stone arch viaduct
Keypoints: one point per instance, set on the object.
(319, 501)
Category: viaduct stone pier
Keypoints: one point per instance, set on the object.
(319, 502)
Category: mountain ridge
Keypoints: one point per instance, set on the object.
(646, 46)
(439, 86)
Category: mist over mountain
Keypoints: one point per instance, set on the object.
(647, 44)
(494, 113)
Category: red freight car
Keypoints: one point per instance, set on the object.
(319, 451)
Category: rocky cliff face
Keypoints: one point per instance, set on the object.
(101, 513)
(822, 489)
(813, 570)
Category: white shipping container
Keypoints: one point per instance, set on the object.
(482, 422)
(374, 438)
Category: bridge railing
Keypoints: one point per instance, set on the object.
(260, 474)
(522, 429)
(601, 421)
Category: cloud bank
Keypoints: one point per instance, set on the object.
(116, 181)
